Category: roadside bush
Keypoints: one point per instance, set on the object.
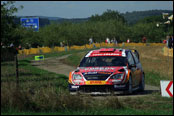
(12, 98)
(113, 102)
(48, 99)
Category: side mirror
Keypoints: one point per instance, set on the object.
(136, 53)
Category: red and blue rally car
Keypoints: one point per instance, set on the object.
(108, 69)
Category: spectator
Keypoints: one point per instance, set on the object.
(11, 45)
(20, 47)
(115, 41)
(164, 41)
(61, 44)
(128, 40)
(144, 39)
(2, 45)
(107, 40)
(94, 45)
(90, 41)
(112, 41)
(123, 44)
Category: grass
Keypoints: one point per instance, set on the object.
(46, 93)
(126, 111)
(131, 106)
(102, 112)
(74, 59)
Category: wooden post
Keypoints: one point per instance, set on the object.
(17, 73)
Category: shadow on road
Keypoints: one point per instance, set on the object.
(119, 93)
(137, 93)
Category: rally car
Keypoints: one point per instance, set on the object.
(108, 69)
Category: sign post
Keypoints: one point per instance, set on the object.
(166, 88)
(17, 73)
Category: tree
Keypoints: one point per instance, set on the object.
(8, 27)
(108, 15)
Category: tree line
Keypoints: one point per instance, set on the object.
(110, 24)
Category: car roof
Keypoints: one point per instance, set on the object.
(108, 52)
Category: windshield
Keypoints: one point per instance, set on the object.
(103, 61)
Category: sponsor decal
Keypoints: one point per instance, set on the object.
(95, 82)
(78, 81)
(74, 87)
(100, 68)
(100, 72)
(91, 73)
(104, 73)
(106, 54)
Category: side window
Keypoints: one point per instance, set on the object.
(130, 59)
(135, 57)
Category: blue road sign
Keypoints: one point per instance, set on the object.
(30, 23)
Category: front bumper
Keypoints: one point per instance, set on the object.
(97, 88)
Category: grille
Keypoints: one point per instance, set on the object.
(96, 88)
(96, 76)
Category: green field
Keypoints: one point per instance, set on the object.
(46, 93)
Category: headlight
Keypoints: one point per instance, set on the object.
(77, 77)
(117, 76)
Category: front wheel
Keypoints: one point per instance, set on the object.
(142, 83)
(130, 85)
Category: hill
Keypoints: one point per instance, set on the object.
(133, 17)
(130, 17)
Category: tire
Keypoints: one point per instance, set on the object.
(130, 90)
(142, 83)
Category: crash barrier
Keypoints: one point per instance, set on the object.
(87, 46)
(167, 51)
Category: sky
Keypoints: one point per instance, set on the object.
(84, 9)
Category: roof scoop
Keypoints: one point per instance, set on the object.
(107, 49)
